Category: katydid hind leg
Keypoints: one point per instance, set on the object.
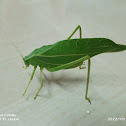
(41, 83)
(68, 65)
(88, 76)
(30, 80)
(78, 27)
(73, 63)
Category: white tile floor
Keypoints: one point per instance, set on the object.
(33, 23)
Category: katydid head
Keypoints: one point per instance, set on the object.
(26, 63)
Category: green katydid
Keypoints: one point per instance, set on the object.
(70, 53)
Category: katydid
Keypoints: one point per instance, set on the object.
(70, 53)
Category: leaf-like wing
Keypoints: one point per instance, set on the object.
(69, 50)
(66, 51)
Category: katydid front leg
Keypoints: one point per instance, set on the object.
(30, 80)
(41, 83)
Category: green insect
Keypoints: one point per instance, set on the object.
(70, 53)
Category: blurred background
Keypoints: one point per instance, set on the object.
(30, 24)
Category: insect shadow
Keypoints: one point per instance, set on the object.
(63, 80)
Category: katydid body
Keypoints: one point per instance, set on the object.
(70, 53)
